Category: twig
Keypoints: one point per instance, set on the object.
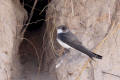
(36, 51)
(111, 74)
(92, 71)
(31, 14)
(35, 22)
(31, 7)
(6, 74)
(72, 6)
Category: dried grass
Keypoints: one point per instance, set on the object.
(115, 29)
(49, 35)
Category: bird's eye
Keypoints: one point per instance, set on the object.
(64, 28)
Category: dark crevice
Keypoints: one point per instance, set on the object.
(34, 32)
(41, 4)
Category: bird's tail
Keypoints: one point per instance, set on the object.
(94, 55)
(87, 52)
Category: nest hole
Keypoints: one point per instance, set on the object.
(31, 54)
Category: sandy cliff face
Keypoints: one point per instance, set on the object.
(96, 24)
(12, 16)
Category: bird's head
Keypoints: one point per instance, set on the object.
(62, 29)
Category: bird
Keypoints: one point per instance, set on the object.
(68, 40)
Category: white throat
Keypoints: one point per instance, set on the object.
(59, 31)
(61, 42)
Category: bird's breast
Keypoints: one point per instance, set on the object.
(63, 44)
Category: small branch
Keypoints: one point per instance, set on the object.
(6, 74)
(31, 14)
(92, 71)
(111, 74)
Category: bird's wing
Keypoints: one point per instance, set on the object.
(72, 41)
